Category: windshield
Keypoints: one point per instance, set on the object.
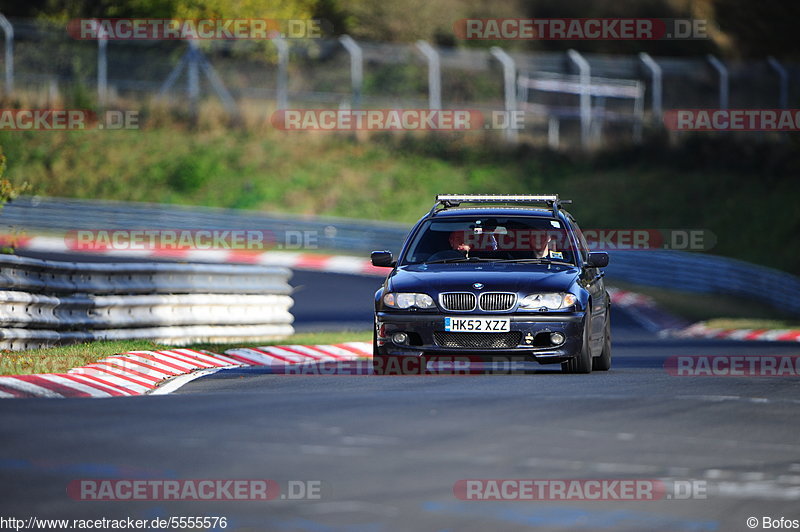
(491, 239)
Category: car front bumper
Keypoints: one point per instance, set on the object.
(421, 327)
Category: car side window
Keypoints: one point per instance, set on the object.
(581, 240)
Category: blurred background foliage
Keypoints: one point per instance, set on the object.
(739, 187)
(738, 28)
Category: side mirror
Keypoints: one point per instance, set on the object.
(382, 258)
(597, 259)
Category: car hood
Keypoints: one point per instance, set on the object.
(495, 276)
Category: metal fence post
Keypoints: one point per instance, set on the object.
(172, 77)
(194, 60)
(522, 88)
(102, 67)
(509, 82)
(638, 112)
(218, 86)
(282, 83)
(193, 78)
(553, 125)
(586, 97)
(356, 68)
(783, 95)
(434, 75)
(722, 70)
(656, 77)
(8, 30)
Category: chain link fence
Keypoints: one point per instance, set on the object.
(42, 61)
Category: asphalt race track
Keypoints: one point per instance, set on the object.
(387, 451)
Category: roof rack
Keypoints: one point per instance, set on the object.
(446, 201)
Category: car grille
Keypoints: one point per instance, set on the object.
(497, 301)
(458, 301)
(459, 340)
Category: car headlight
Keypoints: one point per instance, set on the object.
(550, 301)
(408, 300)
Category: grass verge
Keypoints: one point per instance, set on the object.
(62, 358)
(395, 177)
(743, 323)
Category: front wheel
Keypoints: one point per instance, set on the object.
(582, 362)
(603, 362)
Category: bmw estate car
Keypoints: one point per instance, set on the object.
(487, 278)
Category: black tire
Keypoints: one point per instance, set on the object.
(378, 363)
(393, 364)
(603, 362)
(582, 362)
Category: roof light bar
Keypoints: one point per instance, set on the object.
(490, 198)
(454, 200)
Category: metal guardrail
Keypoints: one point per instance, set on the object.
(707, 274)
(23, 309)
(48, 303)
(687, 271)
(57, 214)
(44, 276)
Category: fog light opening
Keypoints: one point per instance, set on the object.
(400, 338)
(556, 338)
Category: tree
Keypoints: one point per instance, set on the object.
(8, 192)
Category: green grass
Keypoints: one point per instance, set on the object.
(336, 337)
(60, 359)
(743, 323)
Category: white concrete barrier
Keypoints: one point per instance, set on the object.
(45, 303)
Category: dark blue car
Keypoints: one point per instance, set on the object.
(506, 278)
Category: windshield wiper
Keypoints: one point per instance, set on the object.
(538, 261)
(483, 259)
(461, 259)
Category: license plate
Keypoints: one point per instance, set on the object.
(453, 324)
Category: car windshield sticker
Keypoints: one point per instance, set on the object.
(555, 224)
(556, 255)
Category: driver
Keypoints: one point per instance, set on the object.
(477, 239)
(458, 241)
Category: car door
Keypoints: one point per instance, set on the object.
(595, 284)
